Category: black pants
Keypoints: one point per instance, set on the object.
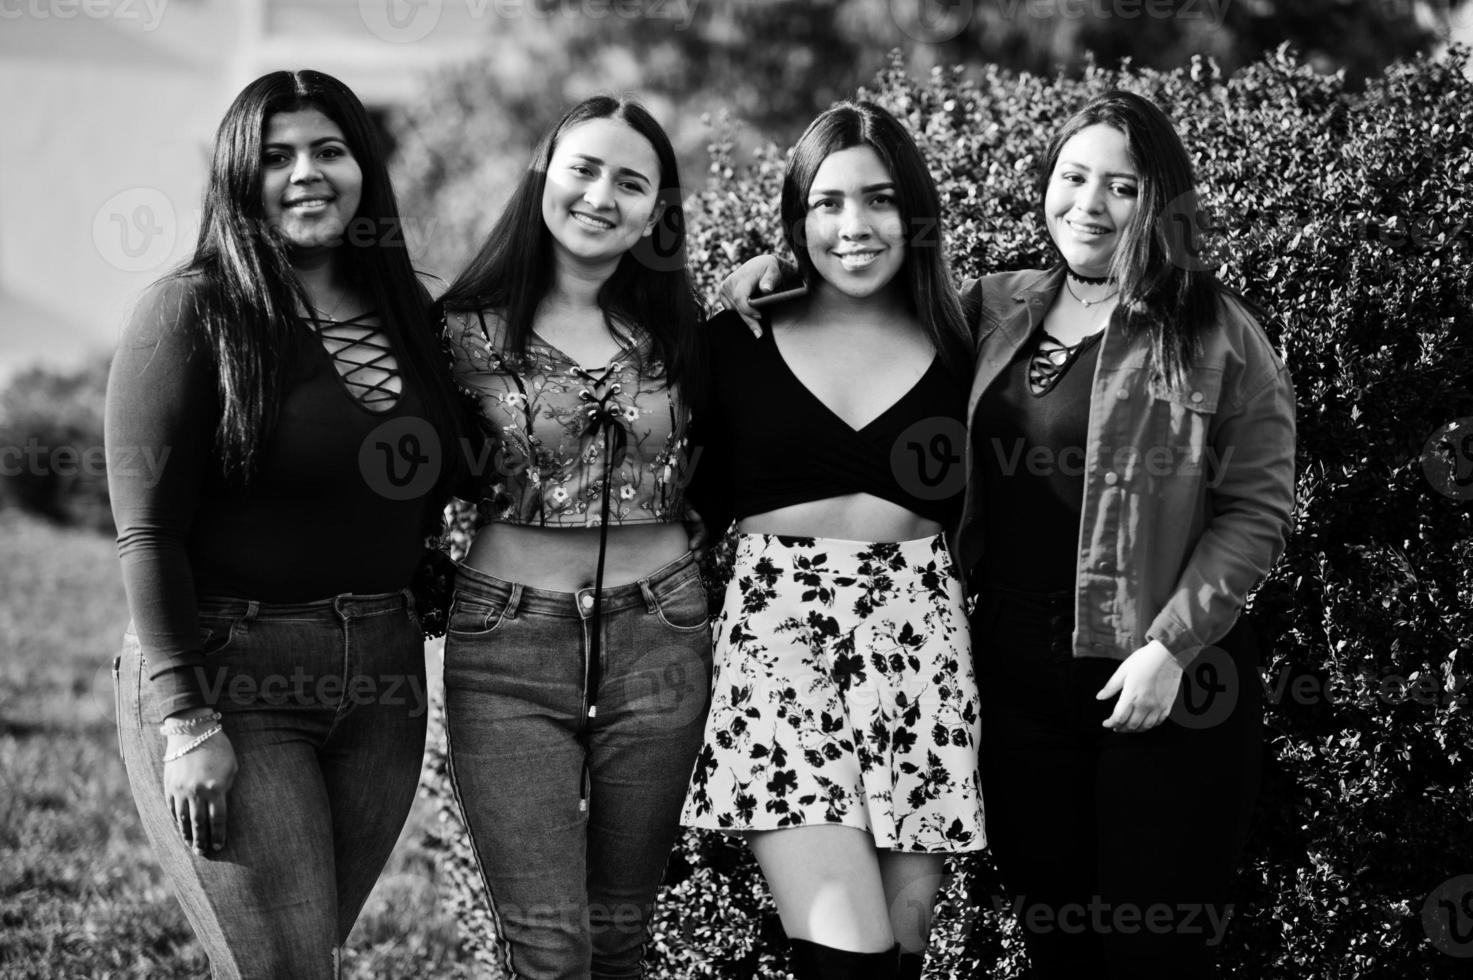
(1119, 849)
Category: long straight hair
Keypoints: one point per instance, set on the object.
(250, 293)
(513, 270)
(929, 293)
(1165, 288)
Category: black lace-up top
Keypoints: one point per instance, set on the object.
(1029, 441)
(351, 451)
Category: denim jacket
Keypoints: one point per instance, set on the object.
(1188, 494)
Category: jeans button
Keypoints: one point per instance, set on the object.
(586, 601)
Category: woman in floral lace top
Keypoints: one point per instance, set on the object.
(578, 656)
(544, 468)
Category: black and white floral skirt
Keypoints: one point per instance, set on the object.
(843, 694)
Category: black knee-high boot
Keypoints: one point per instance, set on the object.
(814, 961)
(910, 966)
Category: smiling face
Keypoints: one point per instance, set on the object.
(1091, 198)
(602, 191)
(310, 183)
(853, 229)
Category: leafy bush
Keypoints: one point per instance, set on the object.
(51, 457)
(1346, 216)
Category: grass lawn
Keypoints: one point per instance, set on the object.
(80, 894)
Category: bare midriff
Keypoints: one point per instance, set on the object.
(851, 517)
(566, 559)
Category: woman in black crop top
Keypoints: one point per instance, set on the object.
(842, 739)
(289, 384)
(1130, 481)
(577, 662)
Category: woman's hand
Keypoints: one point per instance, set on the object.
(196, 786)
(1147, 683)
(700, 538)
(759, 275)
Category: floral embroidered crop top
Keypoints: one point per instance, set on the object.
(555, 429)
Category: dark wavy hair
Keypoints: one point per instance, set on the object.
(513, 270)
(1165, 288)
(250, 292)
(929, 292)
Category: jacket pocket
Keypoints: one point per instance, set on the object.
(1182, 422)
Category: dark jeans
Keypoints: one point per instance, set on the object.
(1119, 849)
(571, 888)
(324, 704)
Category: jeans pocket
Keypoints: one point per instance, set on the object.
(216, 633)
(475, 615)
(684, 607)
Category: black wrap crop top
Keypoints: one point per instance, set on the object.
(764, 440)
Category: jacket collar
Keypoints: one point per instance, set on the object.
(1032, 293)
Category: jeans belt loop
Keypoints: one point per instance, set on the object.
(513, 601)
(650, 602)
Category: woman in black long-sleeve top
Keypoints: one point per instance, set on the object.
(275, 417)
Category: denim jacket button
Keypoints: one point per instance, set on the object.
(1106, 566)
(1122, 394)
(1196, 396)
(1112, 478)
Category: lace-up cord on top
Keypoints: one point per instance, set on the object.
(364, 360)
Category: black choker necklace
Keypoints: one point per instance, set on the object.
(1088, 280)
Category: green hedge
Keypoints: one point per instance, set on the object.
(51, 453)
(1346, 216)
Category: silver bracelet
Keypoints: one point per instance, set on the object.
(185, 726)
(201, 740)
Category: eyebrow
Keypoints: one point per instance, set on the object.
(1084, 166)
(317, 142)
(867, 189)
(623, 170)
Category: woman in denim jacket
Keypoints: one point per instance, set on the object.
(1130, 479)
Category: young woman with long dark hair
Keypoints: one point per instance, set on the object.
(1130, 468)
(842, 739)
(577, 661)
(290, 386)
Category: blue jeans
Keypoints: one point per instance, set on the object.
(570, 887)
(325, 705)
